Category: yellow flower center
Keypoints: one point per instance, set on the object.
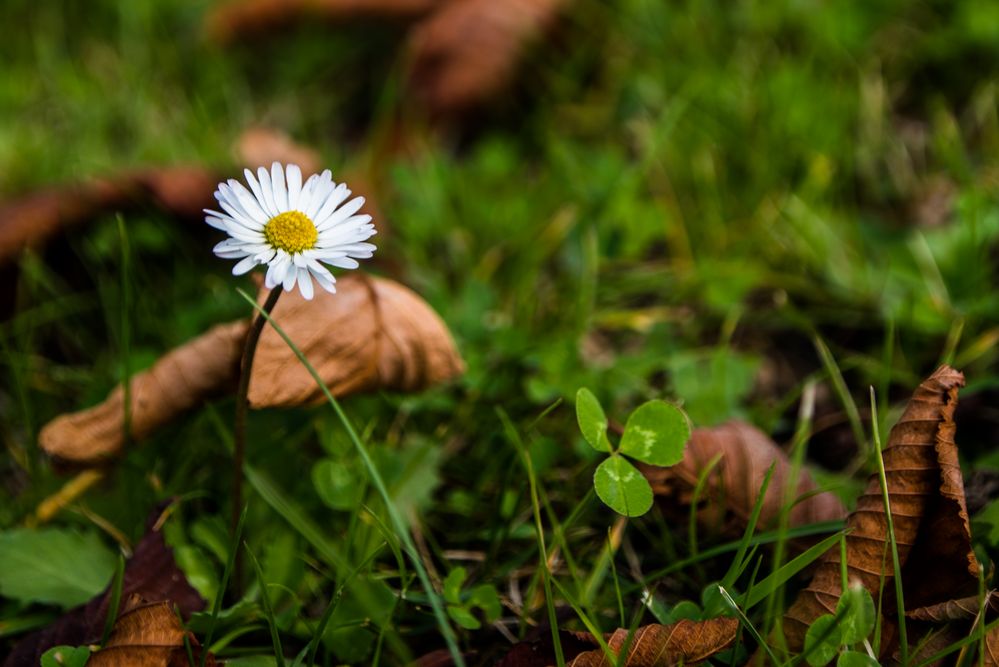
(291, 231)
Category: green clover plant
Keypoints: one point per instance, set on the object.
(656, 434)
(838, 635)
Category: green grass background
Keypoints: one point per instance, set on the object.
(676, 198)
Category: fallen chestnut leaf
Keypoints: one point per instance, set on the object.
(182, 379)
(744, 455)
(372, 334)
(261, 146)
(232, 21)
(148, 635)
(681, 643)
(468, 52)
(34, 218)
(926, 493)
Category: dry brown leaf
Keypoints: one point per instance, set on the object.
(147, 635)
(681, 643)
(468, 52)
(373, 333)
(965, 608)
(238, 20)
(744, 455)
(931, 523)
(32, 219)
(991, 657)
(261, 146)
(188, 375)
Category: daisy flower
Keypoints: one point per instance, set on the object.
(294, 228)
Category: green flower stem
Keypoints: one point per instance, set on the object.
(239, 425)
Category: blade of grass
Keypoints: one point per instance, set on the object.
(896, 566)
(749, 625)
(115, 602)
(773, 615)
(226, 573)
(739, 562)
(768, 586)
(400, 527)
(268, 609)
(546, 578)
(839, 386)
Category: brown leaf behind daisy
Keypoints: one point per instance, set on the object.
(372, 334)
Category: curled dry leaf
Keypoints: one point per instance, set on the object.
(681, 643)
(743, 454)
(32, 219)
(204, 367)
(261, 146)
(926, 493)
(236, 20)
(151, 574)
(373, 333)
(147, 635)
(468, 52)
(965, 608)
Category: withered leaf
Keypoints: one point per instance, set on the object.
(184, 378)
(261, 146)
(147, 635)
(468, 52)
(34, 218)
(681, 643)
(238, 20)
(991, 658)
(744, 454)
(965, 608)
(373, 333)
(931, 522)
(151, 573)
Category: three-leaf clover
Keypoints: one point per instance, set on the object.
(656, 433)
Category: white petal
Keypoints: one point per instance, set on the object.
(305, 283)
(325, 279)
(341, 214)
(305, 198)
(343, 262)
(238, 216)
(334, 199)
(320, 193)
(277, 183)
(249, 202)
(215, 222)
(244, 265)
(258, 192)
(268, 190)
(276, 270)
(294, 186)
(290, 277)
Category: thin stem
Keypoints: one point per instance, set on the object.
(239, 426)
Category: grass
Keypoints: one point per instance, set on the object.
(720, 220)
